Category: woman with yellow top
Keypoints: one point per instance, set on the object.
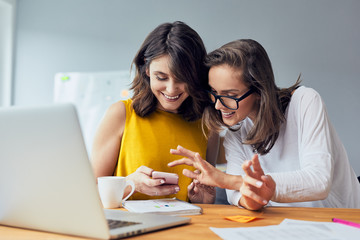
(135, 135)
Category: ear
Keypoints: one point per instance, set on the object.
(147, 72)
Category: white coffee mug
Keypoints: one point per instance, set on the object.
(111, 190)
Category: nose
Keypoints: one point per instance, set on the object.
(172, 86)
(218, 104)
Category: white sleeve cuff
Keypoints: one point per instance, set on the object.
(233, 197)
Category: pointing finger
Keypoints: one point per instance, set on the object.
(185, 161)
(256, 165)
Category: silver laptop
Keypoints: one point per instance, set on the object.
(47, 183)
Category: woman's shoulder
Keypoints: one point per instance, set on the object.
(305, 95)
(118, 109)
(304, 91)
(127, 103)
(306, 100)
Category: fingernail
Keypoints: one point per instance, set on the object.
(162, 181)
(179, 147)
(177, 189)
(258, 183)
(171, 150)
(265, 202)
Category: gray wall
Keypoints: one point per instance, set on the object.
(319, 39)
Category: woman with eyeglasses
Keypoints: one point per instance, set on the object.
(280, 146)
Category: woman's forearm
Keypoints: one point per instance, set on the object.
(231, 182)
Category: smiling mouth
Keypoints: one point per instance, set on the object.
(227, 114)
(171, 97)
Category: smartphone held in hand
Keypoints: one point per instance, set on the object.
(170, 178)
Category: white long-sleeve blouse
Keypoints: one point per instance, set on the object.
(308, 161)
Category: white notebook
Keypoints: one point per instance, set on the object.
(166, 206)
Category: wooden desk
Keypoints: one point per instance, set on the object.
(213, 216)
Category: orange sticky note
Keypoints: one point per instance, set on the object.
(241, 219)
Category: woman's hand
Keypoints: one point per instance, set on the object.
(257, 189)
(152, 187)
(206, 174)
(200, 193)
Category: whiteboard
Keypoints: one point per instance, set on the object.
(92, 93)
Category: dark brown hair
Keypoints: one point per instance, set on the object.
(187, 53)
(251, 58)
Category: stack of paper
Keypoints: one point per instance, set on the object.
(292, 229)
(168, 206)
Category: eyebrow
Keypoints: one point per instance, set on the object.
(227, 90)
(160, 72)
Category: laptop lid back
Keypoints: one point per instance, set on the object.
(46, 181)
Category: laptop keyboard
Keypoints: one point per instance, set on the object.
(118, 224)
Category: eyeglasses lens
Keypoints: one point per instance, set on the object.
(227, 102)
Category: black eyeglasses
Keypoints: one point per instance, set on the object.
(228, 101)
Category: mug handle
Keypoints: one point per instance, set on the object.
(132, 184)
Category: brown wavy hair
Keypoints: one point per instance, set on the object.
(187, 54)
(250, 57)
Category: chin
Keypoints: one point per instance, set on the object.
(170, 107)
(230, 122)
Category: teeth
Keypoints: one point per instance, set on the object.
(168, 97)
(227, 114)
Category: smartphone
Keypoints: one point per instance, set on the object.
(170, 178)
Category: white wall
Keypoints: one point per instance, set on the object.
(319, 39)
(7, 26)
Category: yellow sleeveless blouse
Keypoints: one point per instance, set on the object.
(147, 141)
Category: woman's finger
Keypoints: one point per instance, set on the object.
(154, 182)
(183, 152)
(182, 161)
(190, 174)
(163, 190)
(245, 191)
(269, 182)
(246, 166)
(145, 170)
(191, 186)
(256, 165)
(175, 152)
(200, 163)
(252, 181)
(196, 189)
